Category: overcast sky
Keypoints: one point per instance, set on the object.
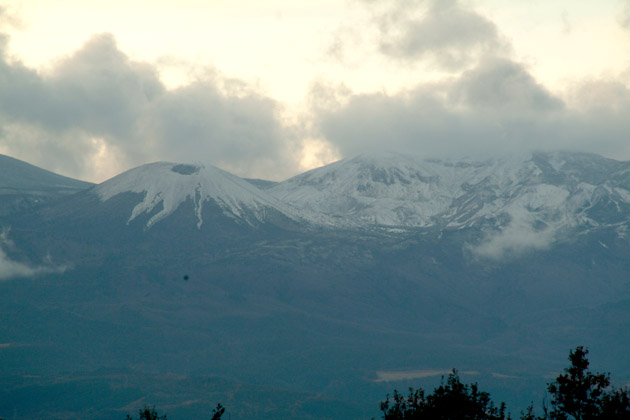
(268, 89)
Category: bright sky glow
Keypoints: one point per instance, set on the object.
(281, 45)
(284, 48)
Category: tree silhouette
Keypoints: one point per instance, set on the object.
(451, 400)
(218, 412)
(579, 394)
(576, 394)
(148, 413)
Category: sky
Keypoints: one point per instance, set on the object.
(270, 89)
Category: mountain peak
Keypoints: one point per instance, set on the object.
(393, 190)
(167, 185)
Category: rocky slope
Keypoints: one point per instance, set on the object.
(526, 199)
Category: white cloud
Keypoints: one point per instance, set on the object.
(516, 238)
(100, 104)
(99, 111)
(495, 107)
(12, 269)
(445, 32)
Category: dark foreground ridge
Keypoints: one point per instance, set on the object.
(577, 394)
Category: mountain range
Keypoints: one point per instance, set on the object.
(182, 285)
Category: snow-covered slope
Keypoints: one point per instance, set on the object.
(167, 185)
(540, 190)
(526, 198)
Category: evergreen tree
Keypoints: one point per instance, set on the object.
(148, 413)
(218, 412)
(451, 400)
(579, 394)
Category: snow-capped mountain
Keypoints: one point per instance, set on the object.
(172, 268)
(540, 190)
(166, 186)
(522, 196)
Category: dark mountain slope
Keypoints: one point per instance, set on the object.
(24, 186)
(231, 285)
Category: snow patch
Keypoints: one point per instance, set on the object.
(404, 191)
(623, 193)
(395, 191)
(172, 184)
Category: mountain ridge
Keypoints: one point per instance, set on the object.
(170, 184)
(318, 306)
(24, 186)
(17, 175)
(542, 193)
(540, 190)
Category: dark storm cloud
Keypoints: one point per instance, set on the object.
(100, 89)
(501, 84)
(491, 104)
(497, 107)
(100, 93)
(448, 33)
(97, 89)
(247, 131)
(97, 92)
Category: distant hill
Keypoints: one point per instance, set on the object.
(24, 186)
(261, 183)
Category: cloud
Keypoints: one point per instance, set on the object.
(8, 18)
(98, 111)
(501, 84)
(487, 102)
(495, 107)
(99, 105)
(96, 93)
(239, 133)
(443, 34)
(11, 269)
(516, 238)
(447, 33)
(624, 16)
